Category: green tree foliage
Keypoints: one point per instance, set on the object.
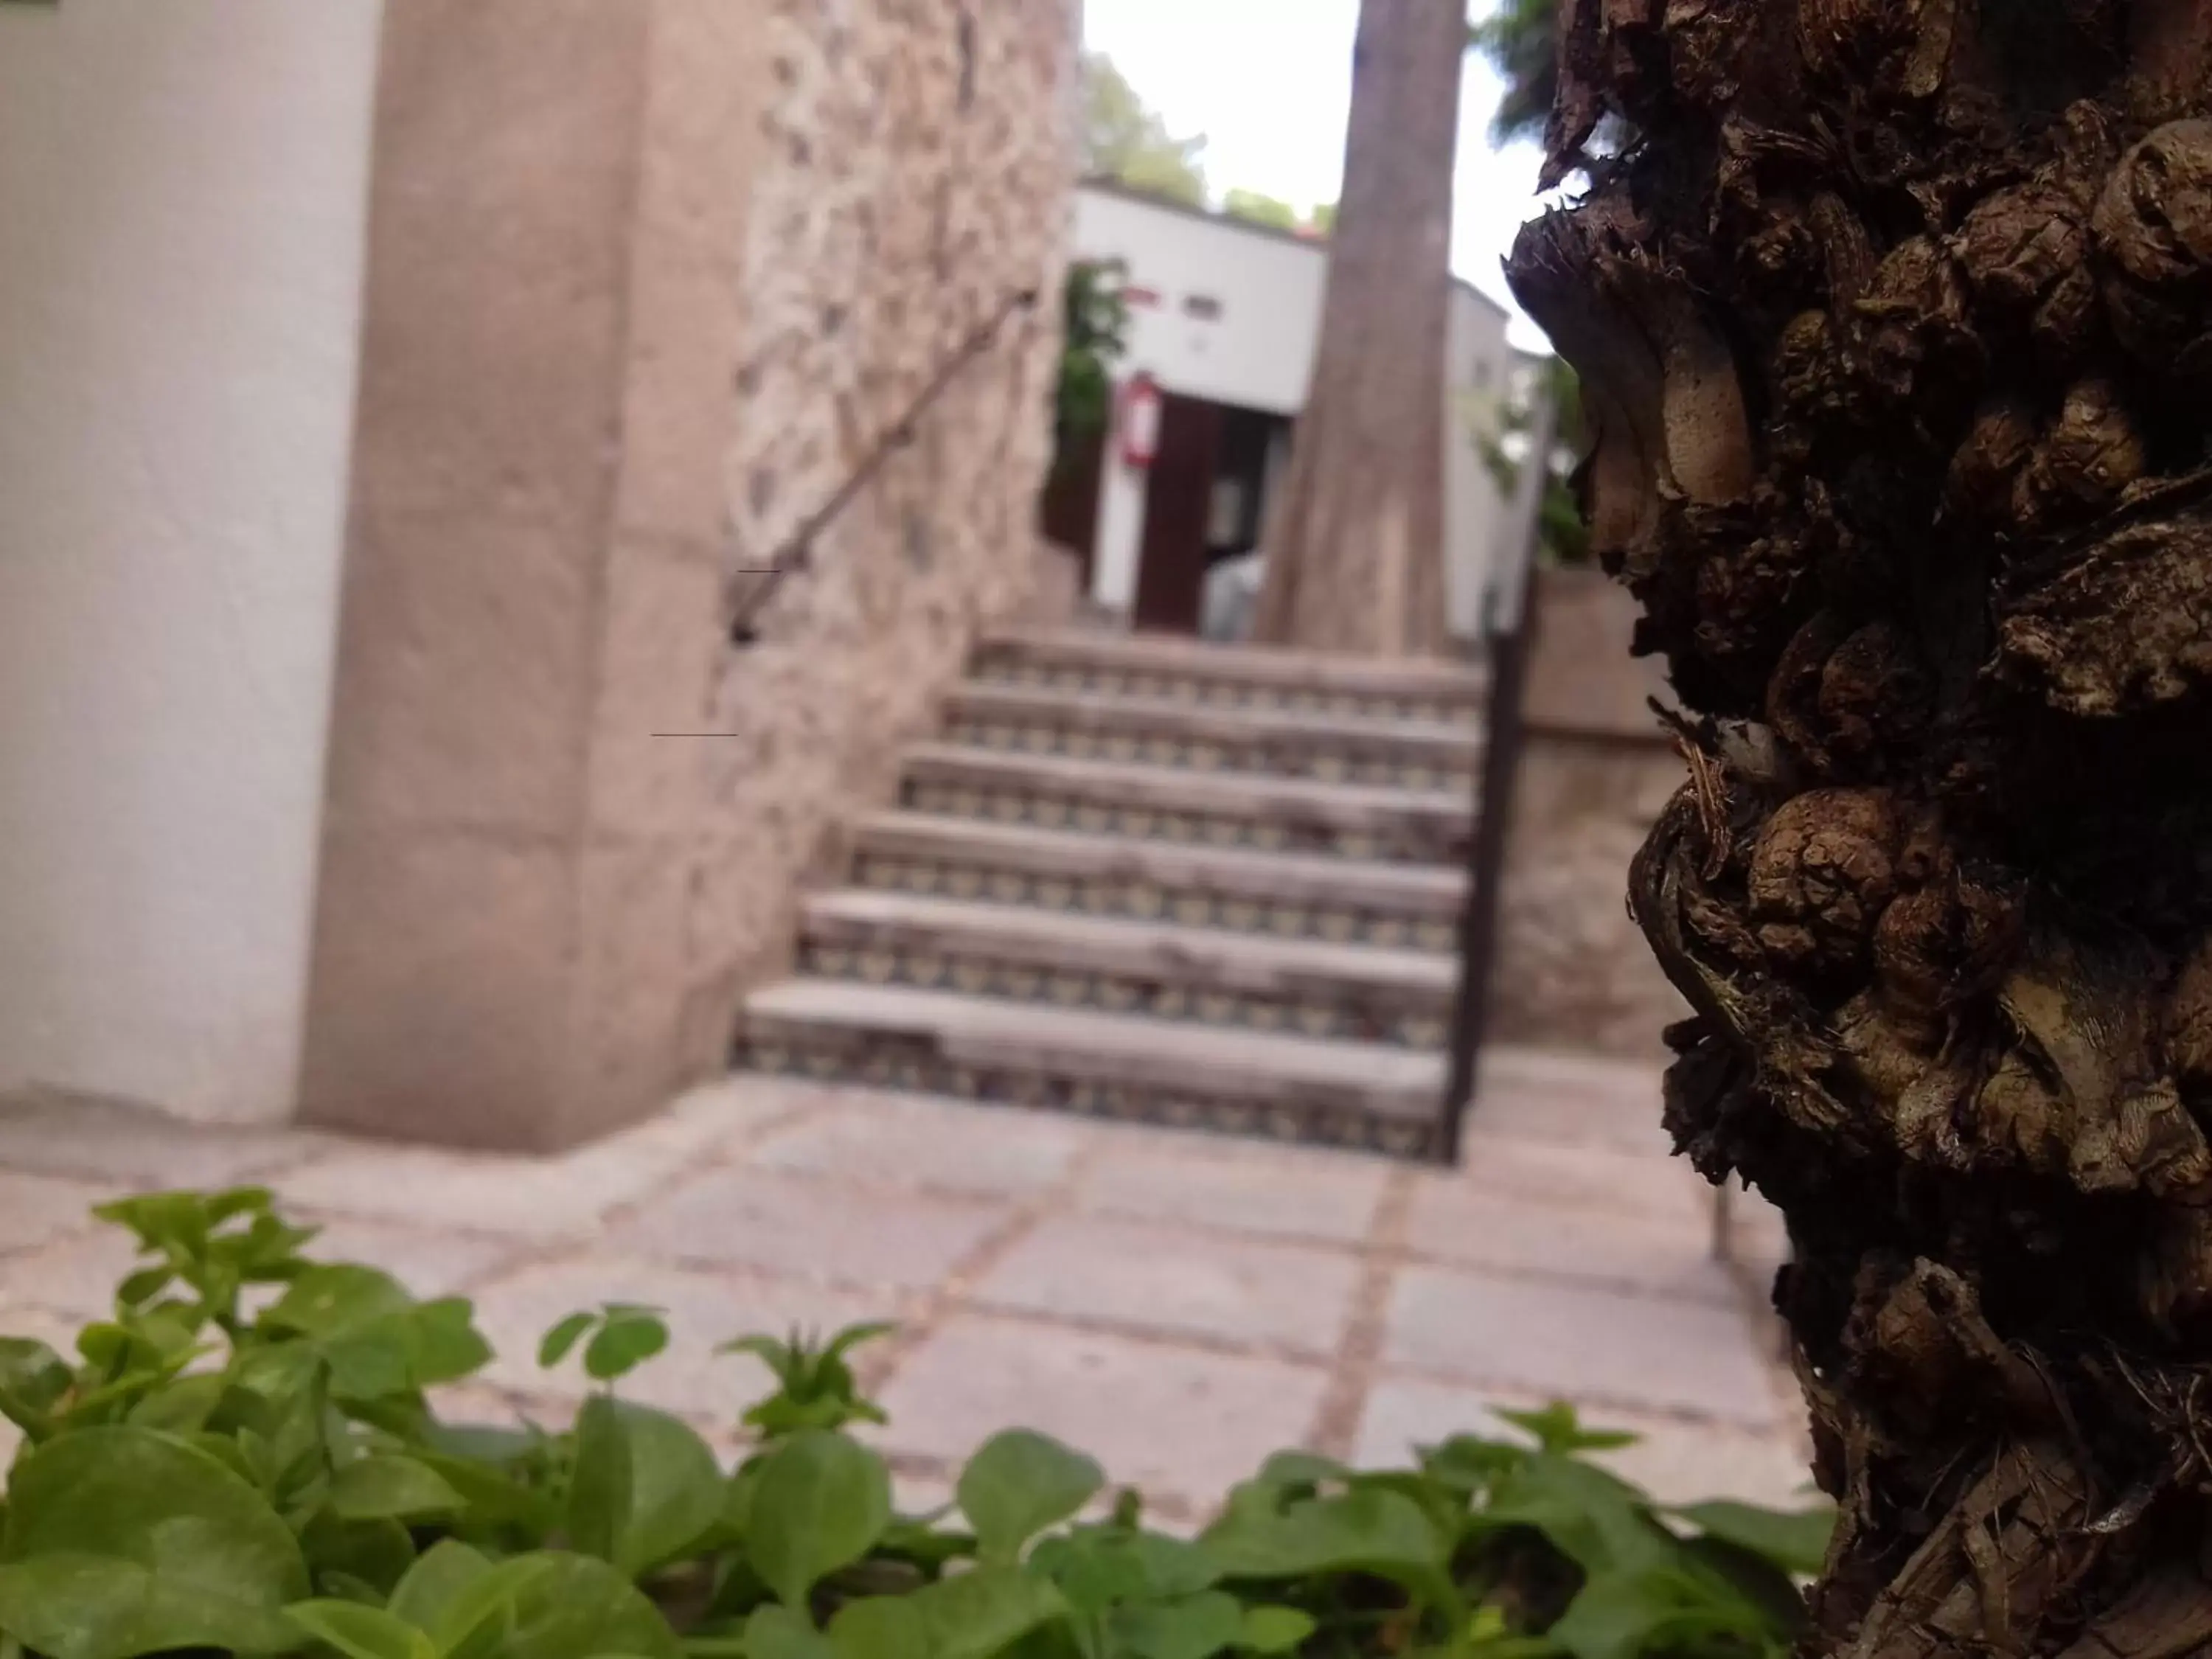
(1565, 540)
(1125, 140)
(277, 1483)
(1260, 209)
(1521, 40)
(1095, 320)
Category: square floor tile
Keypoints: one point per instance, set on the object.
(138, 1149)
(1167, 1420)
(1458, 1223)
(1603, 1179)
(35, 1210)
(814, 1229)
(1214, 1288)
(546, 1199)
(1574, 1099)
(943, 1146)
(1330, 1198)
(1576, 1343)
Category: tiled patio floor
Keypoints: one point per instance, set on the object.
(1176, 1305)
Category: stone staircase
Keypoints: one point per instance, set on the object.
(1159, 880)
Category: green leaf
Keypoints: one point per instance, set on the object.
(776, 1631)
(1195, 1627)
(122, 1541)
(378, 1340)
(360, 1632)
(879, 1627)
(818, 1502)
(1626, 1616)
(1285, 1470)
(1796, 1541)
(645, 1489)
(563, 1337)
(139, 1288)
(975, 1615)
(426, 1597)
(1599, 1523)
(387, 1485)
(629, 1337)
(378, 1553)
(1557, 1428)
(183, 1406)
(32, 1380)
(1020, 1483)
(1368, 1528)
(1275, 1629)
(1097, 1567)
(555, 1606)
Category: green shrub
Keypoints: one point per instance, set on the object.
(244, 1460)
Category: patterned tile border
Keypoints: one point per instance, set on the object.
(1142, 900)
(1216, 693)
(881, 1060)
(1407, 844)
(976, 974)
(1323, 760)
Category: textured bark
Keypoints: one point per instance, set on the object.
(1355, 544)
(1895, 325)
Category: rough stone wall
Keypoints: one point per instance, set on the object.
(918, 187)
(1573, 972)
(649, 279)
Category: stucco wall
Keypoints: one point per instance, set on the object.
(1573, 971)
(648, 280)
(181, 203)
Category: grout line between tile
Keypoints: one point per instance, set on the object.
(1359, 1352)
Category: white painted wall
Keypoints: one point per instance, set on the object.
(1476, 387)
(1259, 354)
(183, 188)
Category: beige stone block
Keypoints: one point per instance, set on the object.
(680, 413)
(507, 138)
(626, 992)
(709, 69)
(438, 989)
(660, 640)
(706, 1024)
(463, 673)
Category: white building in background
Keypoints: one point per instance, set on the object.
(1225, 317)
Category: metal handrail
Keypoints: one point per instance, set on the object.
(796, 549)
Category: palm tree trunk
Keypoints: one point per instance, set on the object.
(1895, 324)
(1355, 547)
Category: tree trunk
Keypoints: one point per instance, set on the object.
(1355, 548)
(1895, 321)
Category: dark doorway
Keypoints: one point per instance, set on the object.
(1068, 513)
(1178, 503)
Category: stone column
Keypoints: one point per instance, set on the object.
(533, 585)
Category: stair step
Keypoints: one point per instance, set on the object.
(1353, 993)
(1146, 665)
(1287, 895)
(1163, 803)
(1105, 1065)
(1208, 737)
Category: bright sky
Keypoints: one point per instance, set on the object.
(1269, 83)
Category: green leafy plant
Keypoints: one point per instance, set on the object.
(1096, 321)
(246, 1459)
